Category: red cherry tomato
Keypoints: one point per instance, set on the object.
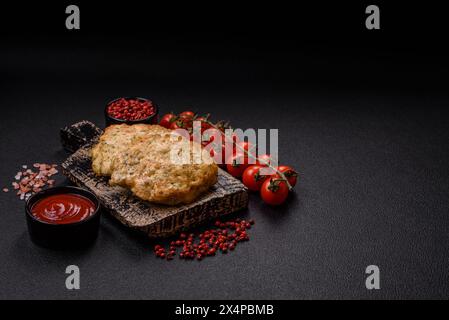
(185, 122)
(213, 134)
(236, 165)
(218, 152)
(229, 141)
(218, 158)
(252, 179)
(230, 135)
(166, 120)
(176, 125)
(213, 142)
(214, 138)
(204, 124)
(187, 114)
(263, 159)
(289, 173)
(274, 191)
(235, 138)
(244, 148)
(243, 145)
(215, 151)
(223, 153)
(229, 147)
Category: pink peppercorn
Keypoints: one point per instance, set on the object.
(130, 109)
(223, 238)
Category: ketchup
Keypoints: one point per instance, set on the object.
(63, 208)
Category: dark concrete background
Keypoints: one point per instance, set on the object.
(365, 125)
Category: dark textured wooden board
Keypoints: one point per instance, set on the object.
(226, 196)
(79, 134)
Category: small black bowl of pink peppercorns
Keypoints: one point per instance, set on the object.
(131, 110)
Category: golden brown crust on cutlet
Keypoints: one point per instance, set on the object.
(140, 157)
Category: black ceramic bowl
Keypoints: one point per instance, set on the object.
(150, 120)
(69, 235)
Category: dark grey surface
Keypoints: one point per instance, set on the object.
(371, 149)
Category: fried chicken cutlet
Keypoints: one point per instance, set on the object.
(155, 163)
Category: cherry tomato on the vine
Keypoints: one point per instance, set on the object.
(289, 173)
(186, 122)
(274, 191)
(213, 134)
(235, 138)
(236, 165)
(167, 120)
(177, 124)
(264, 160)
(246, 149)
(216, 151)
(204, 123)
(252, 178)
(187, 114)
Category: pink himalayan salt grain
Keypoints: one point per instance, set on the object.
(29, 182)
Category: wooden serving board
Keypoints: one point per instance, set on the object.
(226, 196)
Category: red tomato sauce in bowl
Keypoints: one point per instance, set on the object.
(63, 209)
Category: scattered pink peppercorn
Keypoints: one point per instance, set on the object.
(224, 238)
